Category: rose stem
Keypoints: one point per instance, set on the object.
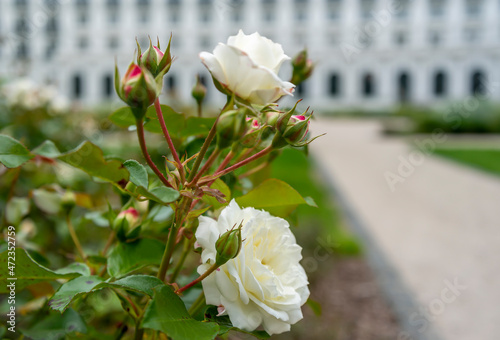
(172, 236)
(171, 146)
(76, 241)
(206, 166)
(226, 161)
(200, 278)
(180, 262)
(253, 170)
(199, 107)
(203, 150)
(244, 162)
(142, 143)
(197, 304)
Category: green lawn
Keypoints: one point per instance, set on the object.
(483, 159)
(313, 224)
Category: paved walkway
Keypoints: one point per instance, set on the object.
(434, 239)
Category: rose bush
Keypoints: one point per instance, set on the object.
(264, 284)
(248, 66)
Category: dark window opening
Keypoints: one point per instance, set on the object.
(334, 85)
(440, 84)
(77, 87)
(368, 85)
(404, 87)
(478, 83)
(108, 86)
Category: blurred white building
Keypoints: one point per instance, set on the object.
(370, 53)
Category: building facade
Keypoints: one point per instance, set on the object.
(370, 54)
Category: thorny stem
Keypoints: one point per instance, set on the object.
(240, 164)
(199, 279)
(182, 259)
(171, 146)
(76, 241)
(203, 150)
(205, 167)
(226, 161)
(172, 237)
(142, 143)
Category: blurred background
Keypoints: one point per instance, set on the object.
(406, 90)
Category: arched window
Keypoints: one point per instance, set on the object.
(440, 84)
(404, 81)
(368, 85)
(478, 83)
(301, 90)
(334, 85)
(77, 86)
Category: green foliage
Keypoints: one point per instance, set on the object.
(57, 326)
(89, 158)
(13, 153)
(275, 196)
(26, 270)
(137, 283)
(128, 257)
(174, 320)
(71, 290)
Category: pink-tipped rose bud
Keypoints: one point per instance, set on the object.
(154, 60)
(125, 223)
(297, 129)
(137, 88)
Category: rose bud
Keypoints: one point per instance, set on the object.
(228, 245)
(302, 67)
(68, 200)
(154, 60)
(199, 91)
(125, 223)
(230, 127)
(137, 88)
(253, 133)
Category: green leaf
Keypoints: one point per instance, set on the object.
(47, 149)
(174, 121)
(138, 283)
(197, 126)
(273, 195)
(89, 158)
(166, 313)
(138, 173)
(162, 195)
(16, 208)
(26, 270)
(315, 306)
(72, 289)
(47, 201)
(222, 187)
(57, 326)
(226, 325)
(75, 267)
(13, 153)
(127, 257)
(123, 117)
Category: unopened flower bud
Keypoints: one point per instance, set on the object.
(68, 200)
(230, 127)
(253, 133)
(125, 222)
(137, 88)
(228, 245)
(154, 60)
(199, 91)
(302, 67)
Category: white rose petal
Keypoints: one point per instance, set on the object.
(248, 66)
(265, 284)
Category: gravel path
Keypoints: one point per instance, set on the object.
(430, 227)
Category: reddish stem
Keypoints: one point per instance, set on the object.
(171, 146)
(205, 167)
(244, 162)
(200, 278)
(225, 162)
(142, 143)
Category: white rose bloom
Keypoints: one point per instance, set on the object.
(264, 284)
(248, 65)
